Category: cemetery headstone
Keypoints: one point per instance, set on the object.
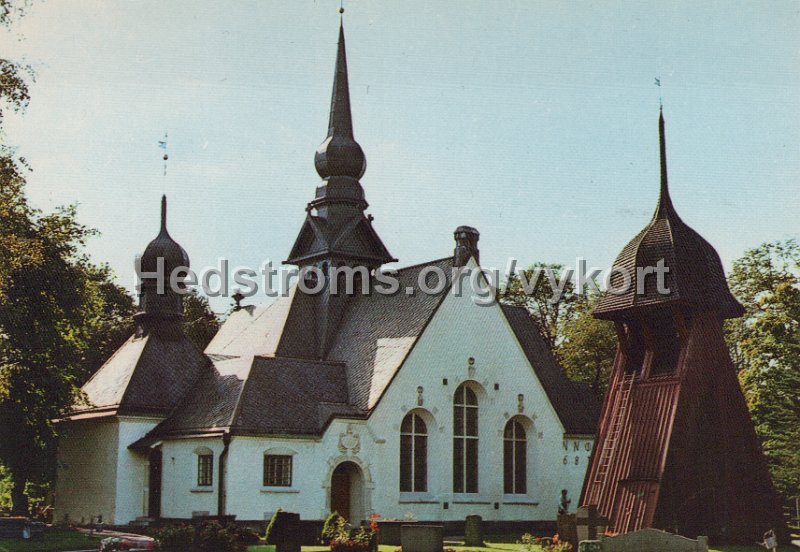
(473, 531)
(567, 530)
(590, 524)
(422, 538)
(653, 539)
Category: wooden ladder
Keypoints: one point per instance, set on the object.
(618, 419)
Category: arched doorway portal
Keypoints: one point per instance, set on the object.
(347, 492)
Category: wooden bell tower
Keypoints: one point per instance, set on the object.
(676, 448)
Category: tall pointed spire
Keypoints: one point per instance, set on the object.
(164, 213)
(665, 207)
(340, 154)
(340, 120)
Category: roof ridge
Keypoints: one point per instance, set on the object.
(424, 263)
(114, 354)
(300, 359)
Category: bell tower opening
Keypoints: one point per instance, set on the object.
(633, 347)
(666, 345)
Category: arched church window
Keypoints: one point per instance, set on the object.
(515, 458)
(465, 440)
(413, 454)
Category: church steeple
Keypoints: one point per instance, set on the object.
(162, 255)
(340, 154)
(337, 230)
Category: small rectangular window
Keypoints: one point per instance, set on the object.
(277, 470)
(205, 470)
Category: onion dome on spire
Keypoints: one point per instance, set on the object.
(695, 278)
(340, 154)
(163, 246)
(157, 301)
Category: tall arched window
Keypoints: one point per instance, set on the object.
(515, 458)
(465, 441)
(413, 454)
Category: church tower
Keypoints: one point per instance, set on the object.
(337, 232)
(676, 448)
(160, 307)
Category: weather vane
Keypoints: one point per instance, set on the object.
(658, 83)
(163, 145)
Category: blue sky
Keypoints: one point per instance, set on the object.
(535, 122)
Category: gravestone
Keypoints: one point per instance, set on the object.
(652, 540)
(286, 532)
(590, 524)
(389, 530)
(473, 531)
(567, 530)
(422, 538)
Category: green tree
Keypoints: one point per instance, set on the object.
(549, 308)
(199, 322)
(584, 346)
(52, 304)
(587, 345)
(765, 345)
(112, 324)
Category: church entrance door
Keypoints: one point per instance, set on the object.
(347, 492)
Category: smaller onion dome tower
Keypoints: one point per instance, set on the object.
(159, 304)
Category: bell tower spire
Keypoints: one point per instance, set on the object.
(664, 208)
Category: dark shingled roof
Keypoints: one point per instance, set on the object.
(320, 239)
(284, 396)
(695, 278)
(147, 375)
(575, 403)
(262, 396)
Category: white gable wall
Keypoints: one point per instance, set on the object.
(459, 330)
(87, 470)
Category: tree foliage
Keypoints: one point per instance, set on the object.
(200, 324)
(765, 345)
(587, 345)
(548, 308)
(584, 346)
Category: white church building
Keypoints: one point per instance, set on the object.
(393, 404)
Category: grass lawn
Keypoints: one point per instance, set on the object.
(55, 540)
(496, 547)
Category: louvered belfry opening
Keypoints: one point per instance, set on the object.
(676, 448)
